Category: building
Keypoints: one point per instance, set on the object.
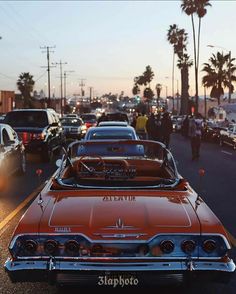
(7, 99)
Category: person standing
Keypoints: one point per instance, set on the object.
(195, 134)
(150, 127)
(141, 126)
(166, 128)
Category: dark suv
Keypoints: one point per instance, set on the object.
(39, 129)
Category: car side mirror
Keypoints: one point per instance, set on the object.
(58, 162)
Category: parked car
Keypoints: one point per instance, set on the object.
(177, 122)
(12, 154)
(119, 215)
(90, 119)
(111, 133)
(211, 132)
(40, 131)
(228, 136)
(73, 128)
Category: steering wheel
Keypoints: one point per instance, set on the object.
(90, 165)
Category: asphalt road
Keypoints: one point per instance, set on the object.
(218, 189)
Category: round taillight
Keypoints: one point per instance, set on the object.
(209, 246)
(72, 247)
(143, 250)
(167, 246)
(188, 246)
(51, 247)
(31, 246)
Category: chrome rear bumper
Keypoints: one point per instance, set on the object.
(30, 270)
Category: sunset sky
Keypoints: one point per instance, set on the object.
(107, 43)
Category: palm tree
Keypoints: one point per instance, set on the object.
(158, 89)
(217, 72)
(25, 85)
(198, 7)
(178, 38)
(183, 64)
(135, 90)
(172, 38)
(144, 80)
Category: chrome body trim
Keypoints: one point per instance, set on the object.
(120, 241)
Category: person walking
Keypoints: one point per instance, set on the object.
(166, 128)
(141, 126)
(195, 134)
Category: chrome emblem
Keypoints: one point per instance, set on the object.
(119, 224)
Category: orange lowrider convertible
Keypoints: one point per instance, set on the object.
(119, 212)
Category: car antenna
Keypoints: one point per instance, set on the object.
(201, 173)
(39, 173)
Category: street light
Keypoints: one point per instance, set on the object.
(229, 64)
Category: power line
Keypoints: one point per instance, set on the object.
(48, 69)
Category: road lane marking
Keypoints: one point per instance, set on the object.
(19, 207)
(226, 152)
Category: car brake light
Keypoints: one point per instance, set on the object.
(51, 246)
(30, 246)
(188, 246)
(39, 136)
(167, 246)
(209, 246)
(72, 247)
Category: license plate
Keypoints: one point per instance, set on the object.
(117, 280)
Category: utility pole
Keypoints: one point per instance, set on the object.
(82, 84)
(48, 69)
(229, 98)
(61, 63)
(90, 94)
(177, 95)
(65, 76)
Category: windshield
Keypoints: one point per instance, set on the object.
(71, 122)
(34, 119)
(108, 134)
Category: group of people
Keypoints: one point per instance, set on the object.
(154, 127)
(159, 129)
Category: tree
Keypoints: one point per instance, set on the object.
(217, 74)
(25, 85)
(144, 80)
(135, 90)
(183, 64)
(191, 8)
(172, 34)
(178, 39)
(158, 89)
